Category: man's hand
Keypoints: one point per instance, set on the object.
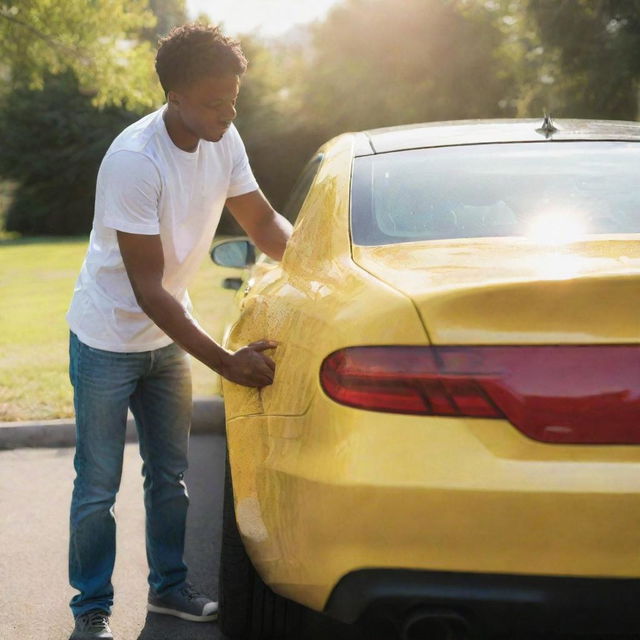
(249, 366)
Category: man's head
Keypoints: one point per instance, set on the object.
(199, 69)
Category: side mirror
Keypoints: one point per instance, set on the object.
(237, 254)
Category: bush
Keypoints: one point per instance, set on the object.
(53, 141)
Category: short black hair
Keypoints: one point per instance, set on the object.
(194, 51)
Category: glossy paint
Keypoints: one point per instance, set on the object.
(323, 489)
(517, 291)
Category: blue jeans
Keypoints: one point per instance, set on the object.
(156, 385)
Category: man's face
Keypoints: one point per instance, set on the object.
(207, 107)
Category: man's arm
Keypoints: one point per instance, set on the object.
(144, 261)
(268, 229)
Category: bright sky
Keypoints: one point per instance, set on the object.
(269, 17)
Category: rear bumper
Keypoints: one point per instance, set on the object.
(339, 490)
(492, 603)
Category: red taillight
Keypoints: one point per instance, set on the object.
(571, 394)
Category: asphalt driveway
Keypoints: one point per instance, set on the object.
(35, 491)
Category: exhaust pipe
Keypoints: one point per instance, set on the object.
(435, 624)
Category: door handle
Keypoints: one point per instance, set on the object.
(232, 283)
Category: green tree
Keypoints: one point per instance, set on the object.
(98, 40)
(168, 13)
(277, 138)
(384, 62)
(532, 68)
(596, 44)
(53, 140)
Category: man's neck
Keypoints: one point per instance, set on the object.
(180, 136)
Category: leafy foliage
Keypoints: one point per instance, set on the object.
(278, 136)
(97, 40)
(53, 141)
(168, 13)
(597, 45)
(380, 63)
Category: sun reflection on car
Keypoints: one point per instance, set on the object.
(557, 227)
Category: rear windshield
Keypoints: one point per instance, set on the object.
(544, 190)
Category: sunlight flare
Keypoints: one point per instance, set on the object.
(557, 227)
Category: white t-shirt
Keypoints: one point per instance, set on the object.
(147, 185)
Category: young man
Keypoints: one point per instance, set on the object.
(160, 192)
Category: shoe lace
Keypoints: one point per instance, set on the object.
(96, 621)
(190, 592)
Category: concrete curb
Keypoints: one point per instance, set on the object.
(208, 417)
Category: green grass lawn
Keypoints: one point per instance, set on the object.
(37, 276)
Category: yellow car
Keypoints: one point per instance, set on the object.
(451, 445)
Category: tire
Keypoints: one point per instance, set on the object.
(249, 610)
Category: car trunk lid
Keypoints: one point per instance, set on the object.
(514, 291)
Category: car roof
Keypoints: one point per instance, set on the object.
(462, 132)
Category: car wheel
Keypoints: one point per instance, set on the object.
(249, 610)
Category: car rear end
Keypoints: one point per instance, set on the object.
(489, 477)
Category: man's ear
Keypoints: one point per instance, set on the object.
(174, 99)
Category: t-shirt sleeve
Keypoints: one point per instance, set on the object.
(128, 192)
(242, 179)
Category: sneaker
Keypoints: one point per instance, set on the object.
(91, 626)
(185, 603)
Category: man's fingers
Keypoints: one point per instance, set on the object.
(266, 369)
(262, 380)
(252, 368)
(263, 345)
(269, 362)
